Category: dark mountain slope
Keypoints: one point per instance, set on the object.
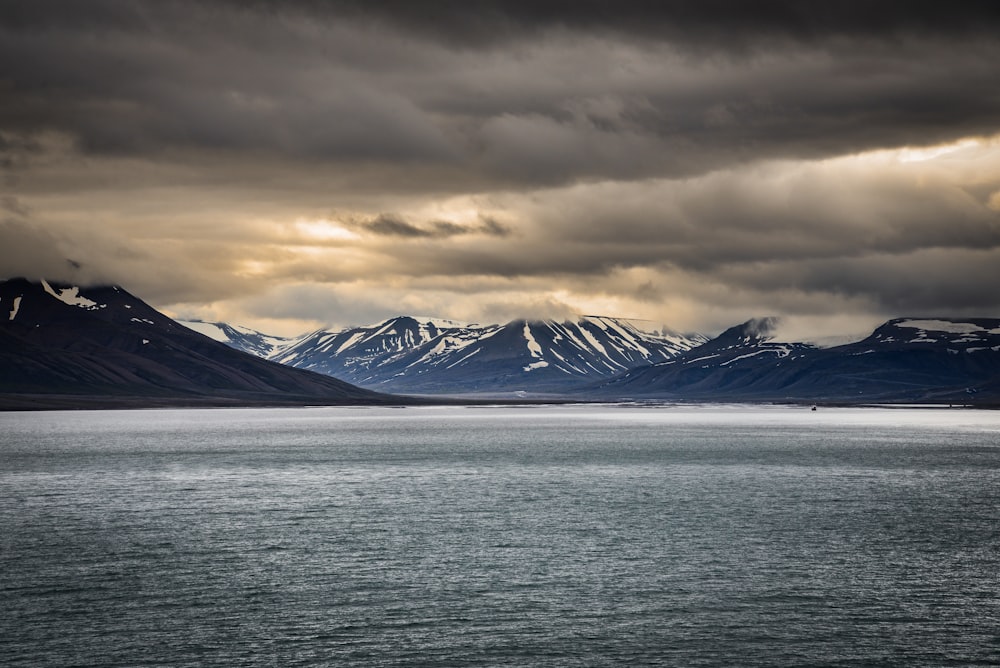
(104, 342)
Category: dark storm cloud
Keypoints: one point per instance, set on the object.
(157, 76)
(927, 281)
(512, 93)
(725, 23)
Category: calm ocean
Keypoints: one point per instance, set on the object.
(568, 536)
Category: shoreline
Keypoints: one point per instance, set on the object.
(56, 402)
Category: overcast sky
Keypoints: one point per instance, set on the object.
(287, 165)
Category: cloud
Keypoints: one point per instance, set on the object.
(31, 253)
(393, 225)
(719, 24)
(312, 305)
(695, 163)
(348, 85)
(13, 205)
(388, 225)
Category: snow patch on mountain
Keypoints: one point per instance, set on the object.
(16, 308)
(805, 330)
(441, 323)
(451, 366)
(571, 336)
(945, 326)
(593, 341)
(533, 347)
(212, 330)
(778, 351)
(71, 296)
(350, 341)
(608, 324)
(235, 336)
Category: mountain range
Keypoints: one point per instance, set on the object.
(67, 346)
(935, 360)
(939, 360)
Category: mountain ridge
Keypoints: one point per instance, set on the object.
(406, 354)
(900, 361)
(746, 362)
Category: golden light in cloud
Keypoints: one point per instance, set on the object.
(254, 268)
(910, 154)
(458, 210)
(320, 230)
(929, 153)
(994, 201)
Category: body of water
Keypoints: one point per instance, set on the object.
(568, 536)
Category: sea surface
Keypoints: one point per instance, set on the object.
(529, 536)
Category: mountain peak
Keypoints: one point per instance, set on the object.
(67, 345)
(751, 332)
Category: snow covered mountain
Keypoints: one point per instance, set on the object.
(425, 355)
(906, 359)
(242, 338)
(67, 346)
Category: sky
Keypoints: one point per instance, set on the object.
(296, 164)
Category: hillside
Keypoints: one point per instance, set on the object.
(64, 345)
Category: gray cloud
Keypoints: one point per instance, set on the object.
(348, 83)
(387, 225)
(28, 252)
(392, 225)
(925, 282)
(719, 23)
(13, 205)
